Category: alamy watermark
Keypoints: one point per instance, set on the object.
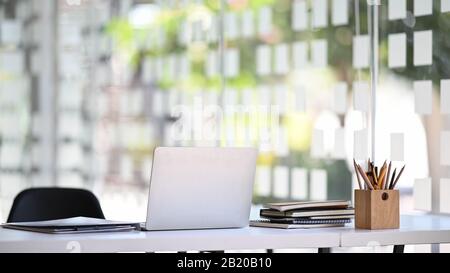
(202, 122)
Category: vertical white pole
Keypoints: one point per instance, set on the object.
(48, 92)
(221, 67)
(373, 9)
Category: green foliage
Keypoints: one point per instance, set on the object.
(122, 32)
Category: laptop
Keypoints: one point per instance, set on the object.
(200, 188)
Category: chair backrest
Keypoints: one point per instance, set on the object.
(41, 204)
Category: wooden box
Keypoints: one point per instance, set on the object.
(377, 209)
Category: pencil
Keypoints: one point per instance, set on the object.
(357, 175)
(392, 179)
(382, 176)
(374, 178)
(364, 176)
(369, 175)
(398, 177)
(386, 186)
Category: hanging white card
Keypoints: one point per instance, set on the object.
(397, 50)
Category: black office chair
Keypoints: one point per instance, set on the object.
(41, 204)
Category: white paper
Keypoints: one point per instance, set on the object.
(247, 97)
(397, 50)
(319, 53)
(339, 151)
(15, 92)
(197, 32)
(318, 144)
(11, 156)
(213, 31)
(397, 9)
(423, 7)
(280, 95)
(212, 64)
(445, 97)
(70, 35)
(422, 194)
(72, 154)
(231, 30)
(299, 184)
(158, 68)
(265, 21)
(445, 148)
(361, 96)
(171, 66)
(444, 195)
(300, 99)
(397, 147)
(263, 60)
(361, 51)
(126, 168)
(361, 145)
(318, 185)
(319, 13)
(340, 12)
(12, 62)
(160, 36)
(282, 142)
(248, 24)
(445, 5)
(70, 126)
(183, 34)
(281, 182)
(184, 66)
(281, 59)
(299, 15)
(11, 32)
(300, 55)
(340, 98)
(147, 75)
(231, 63)
(264, 95)
(262, 186)
(158, 103)
(230, 97)
(423, 47)
(423, 93)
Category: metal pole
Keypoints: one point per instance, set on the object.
(48, 92)
(373, 9)
(223, 82)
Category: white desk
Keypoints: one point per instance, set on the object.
(233, 239)
(414, 230)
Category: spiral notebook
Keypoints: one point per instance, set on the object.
(299, 223)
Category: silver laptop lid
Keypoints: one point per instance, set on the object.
(200, 188)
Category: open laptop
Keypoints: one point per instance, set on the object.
(200, 188)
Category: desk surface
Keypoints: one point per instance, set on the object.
(414, 230)
(219, 239)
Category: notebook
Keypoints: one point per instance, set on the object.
(336, 204)
(325, 217)
(269, 224)
(73, 225)
(307, 221)
(306, 213)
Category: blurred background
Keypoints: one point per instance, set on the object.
(88, 88)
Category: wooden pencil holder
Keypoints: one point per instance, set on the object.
(377, 209)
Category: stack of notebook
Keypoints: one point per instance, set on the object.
(305, 215)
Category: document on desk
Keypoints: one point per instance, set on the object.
(73, 226)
